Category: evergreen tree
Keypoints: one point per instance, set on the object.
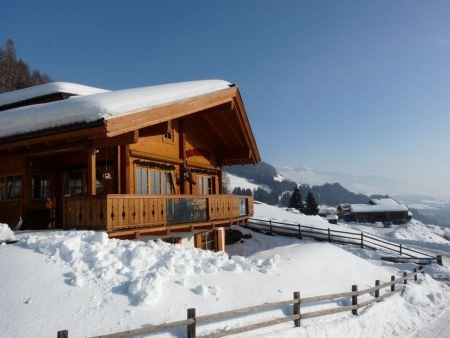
(284, 199)
(312, 208)
(296, 200)
(15, 73)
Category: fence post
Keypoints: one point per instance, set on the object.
(63, 334)
(439, 260)
(355, 299)
(329, 236)
(299, 231)
(393, 285)
(377, 291)
(400, 249)
(270, 225)
(405, 281)
(362, 240)
(297, 308)
(190, 328)
(415, 274)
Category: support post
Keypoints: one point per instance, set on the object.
(377, 291)
(63, 334)
(92, 171)
(405, 281)
(190, 333)
(124, 169)
(270, 225)
(300, 231)
(297, 308)
(415, 274)
(118, 169)
(362, 240)
(355, 299)
(329, 236)
(393, 285)
(400, 249)
(439, 260)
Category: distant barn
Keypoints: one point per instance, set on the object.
(385, 210)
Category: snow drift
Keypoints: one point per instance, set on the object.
(137, 269)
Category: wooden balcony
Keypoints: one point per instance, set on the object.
(147, 214)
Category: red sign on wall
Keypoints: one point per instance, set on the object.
(196, 152)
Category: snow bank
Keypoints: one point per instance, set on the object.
(5, 233)
(138, 269)
(417, 231)
(264, 211)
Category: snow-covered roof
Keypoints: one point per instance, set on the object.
(377, 208)
(47, 89)
(104, 105)
(384, 201)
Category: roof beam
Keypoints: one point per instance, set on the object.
(122, 124)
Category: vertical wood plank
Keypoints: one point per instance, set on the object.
(91, 174)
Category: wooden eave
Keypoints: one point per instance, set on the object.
(150, 117)
(77, 131)
(131, 123)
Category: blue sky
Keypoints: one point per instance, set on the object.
(351, 86)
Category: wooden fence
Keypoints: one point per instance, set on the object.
(298, 312)
(343, 237)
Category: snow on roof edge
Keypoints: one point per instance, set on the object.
(47, 89)
(105, 105)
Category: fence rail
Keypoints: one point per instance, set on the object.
(342, 237)
(295, 303)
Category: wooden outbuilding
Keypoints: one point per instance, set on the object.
(137, 163)
(384, 210)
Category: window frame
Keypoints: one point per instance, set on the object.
(5, 194)
(158, 182)
(210, 187)
(44, 190)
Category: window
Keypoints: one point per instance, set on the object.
(209, 240)
(2, 187)
(141, 181)
(169, 134)
(75, 184)
(13, 187)
(39, 186)
(205, 185)
(160, 182)
(10, 187)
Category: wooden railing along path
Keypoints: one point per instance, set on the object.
(361, 239)
(297, 311)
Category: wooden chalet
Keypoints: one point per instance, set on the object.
(140, 163)
(385, 210)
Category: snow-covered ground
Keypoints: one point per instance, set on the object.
(91, 285)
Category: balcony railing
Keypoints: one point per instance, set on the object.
(115, 212)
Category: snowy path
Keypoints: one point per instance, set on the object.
(440, 328)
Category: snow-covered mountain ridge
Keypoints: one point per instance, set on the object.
(333, 188)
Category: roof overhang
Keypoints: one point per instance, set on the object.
(114, 127)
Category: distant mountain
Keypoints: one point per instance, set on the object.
(270, 187)
(362, 184)
(334, 194)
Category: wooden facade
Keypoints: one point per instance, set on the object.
(155, 172)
